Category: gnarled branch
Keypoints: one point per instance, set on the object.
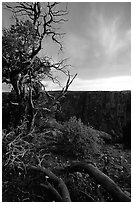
(53, 191)
(100, 177)
(58, 181)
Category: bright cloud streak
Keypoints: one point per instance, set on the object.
(112, 41)
(110, 84)
(102, 48)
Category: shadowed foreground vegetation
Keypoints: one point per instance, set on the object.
(56, 163)
(44, 159)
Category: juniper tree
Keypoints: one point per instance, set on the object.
(21, 44)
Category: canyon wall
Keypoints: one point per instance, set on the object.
(109, 111)
(104, 110)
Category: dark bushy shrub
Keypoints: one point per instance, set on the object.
(78, 139)
(127, 135)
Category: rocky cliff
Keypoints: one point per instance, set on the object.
(104, 110)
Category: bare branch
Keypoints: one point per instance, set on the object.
(35, 52)
(54, 192)
(5, 80)
(100, 177)
(5, 62)
(44, 22)
(63, 188)
(55, 100)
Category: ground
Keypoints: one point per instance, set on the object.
(22, 185)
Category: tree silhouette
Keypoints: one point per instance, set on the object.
(21, 43)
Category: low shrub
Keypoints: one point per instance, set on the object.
(78, 139)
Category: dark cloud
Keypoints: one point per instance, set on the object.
(98, 40)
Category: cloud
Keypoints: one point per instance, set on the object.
(103, 47)
(104, 84)
(77, 48)
(108, 36)
(112, 40)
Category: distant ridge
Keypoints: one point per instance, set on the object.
(7, 92)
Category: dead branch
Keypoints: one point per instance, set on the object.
(5, 80)
(64, 90)
(58, 181)
(44, 17)
(54, 100)
(87, 196)
(53, 191)
(100, 178)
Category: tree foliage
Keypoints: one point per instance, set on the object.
(21, 43)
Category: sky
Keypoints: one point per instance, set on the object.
(98, 45)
